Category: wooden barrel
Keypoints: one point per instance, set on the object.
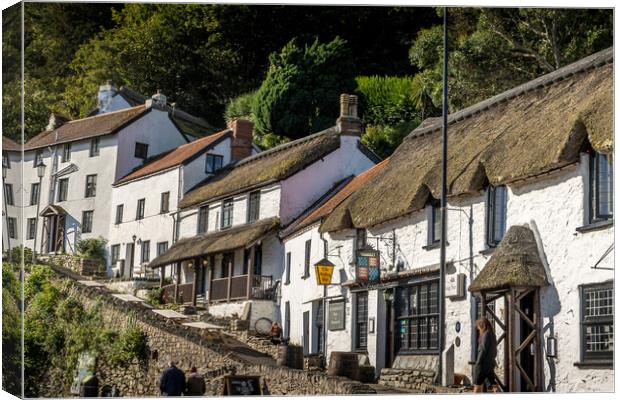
(290, 356)
(342, 363)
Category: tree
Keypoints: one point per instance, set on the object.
(300, 94)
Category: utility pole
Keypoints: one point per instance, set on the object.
(444, 167)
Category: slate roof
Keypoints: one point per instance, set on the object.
(10, 145)
(89, 127)
(266, 167)
(174, 157)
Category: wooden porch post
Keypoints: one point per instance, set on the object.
(250, 272)
(162, 274)
(230, 265)
(511, 342)
(211, 274)
(506, 339)
(209, 271)
(197, 265)
(538, 382)
(176, 284)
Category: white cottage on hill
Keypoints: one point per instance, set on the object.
(12, 194)
(229, 253)
(530, 236)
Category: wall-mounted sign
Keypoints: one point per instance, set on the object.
(455, 285)
(324, 272)
(367, 265)
(336, 315)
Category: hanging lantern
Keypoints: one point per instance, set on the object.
(324, 272)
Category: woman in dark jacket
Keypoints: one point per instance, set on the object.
(487, 351)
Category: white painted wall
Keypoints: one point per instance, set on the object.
(194, 171)
(555, 205)
(13, 177)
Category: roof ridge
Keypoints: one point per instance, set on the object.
(101, 115)
(592, 61)
(284, 146)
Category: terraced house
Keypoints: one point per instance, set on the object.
(529, 240)
(229, 253)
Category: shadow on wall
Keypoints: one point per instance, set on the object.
(550, 307)
(73, 233)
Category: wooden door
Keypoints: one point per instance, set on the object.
(306, 336)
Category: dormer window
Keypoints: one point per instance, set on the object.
(214, 163)
(601, 187)
(66, 152)
(142, 150)
(496, 214)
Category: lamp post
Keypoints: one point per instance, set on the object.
(40, 174)
(5, 169)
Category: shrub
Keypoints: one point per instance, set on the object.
(38, 277)
(92, 248)
(240, 107)
(131, 344)
(154, 296)
(18, 252)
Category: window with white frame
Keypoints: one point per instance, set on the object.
(213, 163)
(496, 214)
(601, 187)
(597, 324)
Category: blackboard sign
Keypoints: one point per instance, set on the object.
(239, 385)
(336, 315)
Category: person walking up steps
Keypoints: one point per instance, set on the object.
(195, 383)
(172, 381)
(487, 351)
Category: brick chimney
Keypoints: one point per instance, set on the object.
(242, 139)
(348, 122)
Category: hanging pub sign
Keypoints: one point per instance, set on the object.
(367, 265)
(324, 271)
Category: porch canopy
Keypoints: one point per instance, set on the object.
(217, 242)
(52, 209)
(515, 263)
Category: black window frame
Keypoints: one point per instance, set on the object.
(600, 320)
(34, 193)
(595, 185)
(87, 221)
(203, 220)
(492, 204)
(414, 318)
(307, 255)
(434, 219)
(94, 147)
(213, 163)
(118, 217)
(164, 206)
(288, 268)
(287, 319)
(63, 189)
(66, 153)
(115, 253)
(12, 227)
(140, 206)
(141, 150)
(361, 321)
(145, 251)
(162, 247)
(6, 160)
(90, 189)
(361, 238)
(31, 228)
(253, 206)
(228, 206)
(8, 194)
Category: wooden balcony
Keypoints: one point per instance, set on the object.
(236, 288)
(178, 293)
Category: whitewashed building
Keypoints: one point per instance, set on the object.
(83, 158)
(534, 164)
(229, 253)
(12, 229)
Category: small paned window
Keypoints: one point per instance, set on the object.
(361, 321)
(496, 214)
(32, 228)
(6, 161)
(213, 163)
(87, 221)
(597, 324)
(360, 238)
(12, 225)
(94, 147)
(308, 248)
(288, 268)
(227, 213)
(91, 186)
(140, 209)
(434, 222)
(146, 251)
(115, 253)
(119, 214)
(141, 150)
(162, 247)
(602, 187)
(63, 189)
(34, 194)
(417, 316)
(203, 219)
(253, 206)
(165, 202)
(8, 194)
(66, 152)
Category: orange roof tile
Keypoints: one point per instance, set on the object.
(174, 157)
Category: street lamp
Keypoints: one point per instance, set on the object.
(40, 174)
(5, 169)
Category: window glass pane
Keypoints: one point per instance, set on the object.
(433, 299)
(599, 302)
(605, 186)
(403, 333)
(499, 210)
(432, 344)
(423, 329)
(413, 301)
(599, 337)
(436, 214)
(413, 334)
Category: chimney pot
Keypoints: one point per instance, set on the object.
(158, 100)
(104, 97)
(349, 123)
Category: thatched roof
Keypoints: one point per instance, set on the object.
(515, 263)
(216, 242)
(269, 166)
(529, 130)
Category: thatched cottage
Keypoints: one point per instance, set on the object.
(229, 254)
(530, 234)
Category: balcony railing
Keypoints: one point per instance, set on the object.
(184, 293)
(236, 288)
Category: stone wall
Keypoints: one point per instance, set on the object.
(415, 372)
(83, 266)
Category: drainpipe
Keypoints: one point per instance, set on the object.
(444, 167)
(325, 251)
